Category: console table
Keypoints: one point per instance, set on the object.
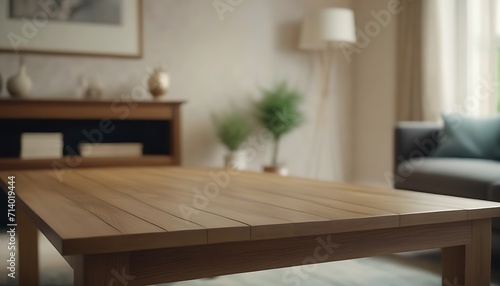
(155, 124)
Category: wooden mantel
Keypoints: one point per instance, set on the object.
(155, 123)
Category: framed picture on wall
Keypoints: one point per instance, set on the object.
(111, 28)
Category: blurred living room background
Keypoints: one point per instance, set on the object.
(410, 61)
(216, 58)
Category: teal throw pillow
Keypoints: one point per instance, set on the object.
(470, 137)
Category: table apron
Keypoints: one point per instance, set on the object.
(193, 262)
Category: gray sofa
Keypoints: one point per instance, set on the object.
(415, 169)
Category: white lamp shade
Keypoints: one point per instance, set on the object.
(337, 25)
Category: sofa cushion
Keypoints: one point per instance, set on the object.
(470, 178)
(470, 138)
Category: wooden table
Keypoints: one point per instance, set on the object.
(146, 225)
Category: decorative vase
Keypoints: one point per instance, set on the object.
(88, 90)
(158, 82)
(279, 169)
(19, 85)
(236, 160)
(93, 92)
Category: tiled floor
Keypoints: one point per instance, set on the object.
(410, 269)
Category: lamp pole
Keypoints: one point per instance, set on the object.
(327, 60)
(319, 33)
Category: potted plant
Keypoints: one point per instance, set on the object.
(233, 128)
(279, 112)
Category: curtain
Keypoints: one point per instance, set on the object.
(446, 58)
(459, 58)
(409, 60)
(439, 49)
(481, 95)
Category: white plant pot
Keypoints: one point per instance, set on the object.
(236, 160)
(279, 170)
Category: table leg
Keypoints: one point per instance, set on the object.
(470, 264)
(27, 249)
(102, 269)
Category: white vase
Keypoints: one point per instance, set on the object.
(236, 160)
(19, 85)
(158, 82)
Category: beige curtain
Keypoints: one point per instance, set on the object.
(459, 59)
(439, 51)
(409, 62)
(446, 58)
(480, 99)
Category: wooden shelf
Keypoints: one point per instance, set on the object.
(75, 109)
(154, 123)
(71, 162)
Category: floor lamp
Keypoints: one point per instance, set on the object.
(321, 33)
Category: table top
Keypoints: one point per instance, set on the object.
(98, 210)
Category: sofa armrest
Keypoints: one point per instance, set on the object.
(414, 140)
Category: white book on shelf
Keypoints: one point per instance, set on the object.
(111, 149)
(41, 145)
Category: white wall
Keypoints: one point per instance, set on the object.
(211, 63)
(374, 96)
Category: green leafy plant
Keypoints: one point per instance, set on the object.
(233, 128)
(279, 112)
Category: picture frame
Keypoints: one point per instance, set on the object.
(31, 28)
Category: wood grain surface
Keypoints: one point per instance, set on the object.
(99, 210)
